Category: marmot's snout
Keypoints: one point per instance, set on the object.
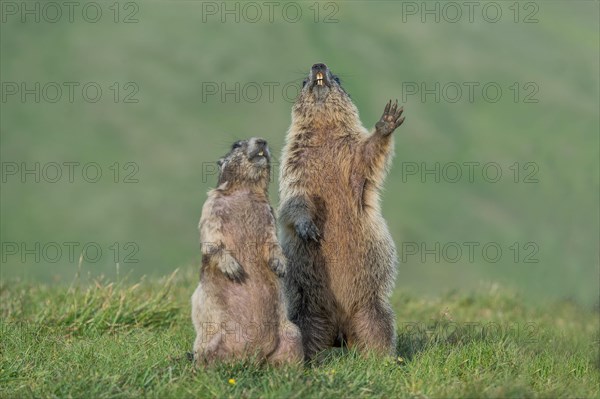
(258, 149)
(319, 74)
(320, 79)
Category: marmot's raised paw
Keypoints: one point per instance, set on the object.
(278, 266)
(232, 269)
(307, 230)
(391, 119)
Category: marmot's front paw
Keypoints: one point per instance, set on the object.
(232, 269)
(278, 266)
(391, 119)
(307, 230)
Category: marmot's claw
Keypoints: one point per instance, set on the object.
(233, 270)
(387, 107)
(307, 230)
(391, 118)
(278, 266)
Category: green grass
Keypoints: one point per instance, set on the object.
(119, 339)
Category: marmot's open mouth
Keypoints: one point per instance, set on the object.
(320, 78)
(259, 154)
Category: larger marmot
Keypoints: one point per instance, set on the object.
(238, 309)
(341, 257)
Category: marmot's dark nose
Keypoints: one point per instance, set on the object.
(261, 142)
(319, 67)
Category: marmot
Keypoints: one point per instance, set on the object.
(341, 257)
(238, 309)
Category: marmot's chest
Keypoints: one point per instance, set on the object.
(330, 168)
(335, 181)
(334, 157)
(244, 219)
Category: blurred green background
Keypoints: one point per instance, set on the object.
(179, 50)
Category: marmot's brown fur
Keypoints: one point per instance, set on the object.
(341, 257)
(238, 309)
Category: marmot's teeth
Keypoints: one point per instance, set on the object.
(319, 79)
(261, 153)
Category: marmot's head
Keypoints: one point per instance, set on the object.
(248, 163)
(323, 98)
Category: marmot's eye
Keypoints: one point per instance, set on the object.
(235, 145)
(304, 82)
(336, 79)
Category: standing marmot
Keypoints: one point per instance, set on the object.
(341, 257)
(238, 309)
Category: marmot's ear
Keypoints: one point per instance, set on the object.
(220, 162)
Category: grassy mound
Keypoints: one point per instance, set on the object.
(118, 339)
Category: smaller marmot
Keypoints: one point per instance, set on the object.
(238, 309)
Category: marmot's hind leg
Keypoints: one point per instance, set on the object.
(372, 328)
(289, 348)
(212, 350)
(318, 333)
(315, 321)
